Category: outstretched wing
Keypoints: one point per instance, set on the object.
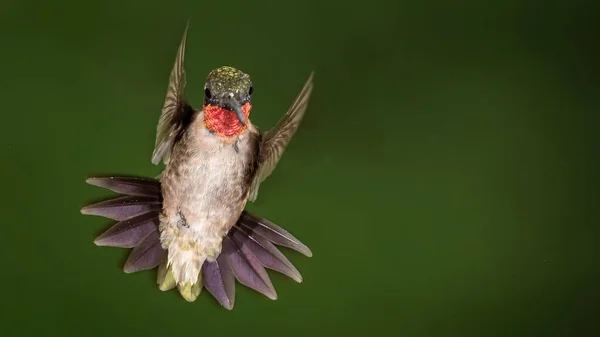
(275, 141)
(175, 111)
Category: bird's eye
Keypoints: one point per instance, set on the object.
(251, 90)
(207, 93)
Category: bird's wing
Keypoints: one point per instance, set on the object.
(275, 141)
(175, 111)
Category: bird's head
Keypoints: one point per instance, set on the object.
(227, 95)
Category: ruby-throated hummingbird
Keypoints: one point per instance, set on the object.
(191, 223)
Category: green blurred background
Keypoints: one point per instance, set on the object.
(445, 175)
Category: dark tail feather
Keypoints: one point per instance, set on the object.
(128, 185)
(148, 254)
(247, 268)
(123, 208)
(247, 249)
(219, 280)
(129, 233)
(272, 232)
(268, 255)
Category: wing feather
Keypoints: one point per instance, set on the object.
(275, 141)
(175, 110)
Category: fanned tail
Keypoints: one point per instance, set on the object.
(248, 248)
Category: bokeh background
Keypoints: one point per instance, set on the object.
(445, 176)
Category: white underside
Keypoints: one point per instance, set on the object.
(188, 249)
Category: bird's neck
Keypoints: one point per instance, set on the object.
(224, 122)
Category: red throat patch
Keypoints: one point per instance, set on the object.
(225, 122)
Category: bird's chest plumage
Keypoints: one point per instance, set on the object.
(205, 188)
(204, 184)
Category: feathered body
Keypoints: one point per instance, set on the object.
(205, 189)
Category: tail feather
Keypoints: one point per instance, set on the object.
(148, 254)
(165, 278)
(247, 268)
(248, 248)
(128, 185)
(219, 280)
(129, 233)
(268, 255)
(123, 208)
(272, 232)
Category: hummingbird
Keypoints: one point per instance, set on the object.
(191, 221)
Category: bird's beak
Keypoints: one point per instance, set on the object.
(235, 106)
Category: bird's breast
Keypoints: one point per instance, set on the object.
(205, 181)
